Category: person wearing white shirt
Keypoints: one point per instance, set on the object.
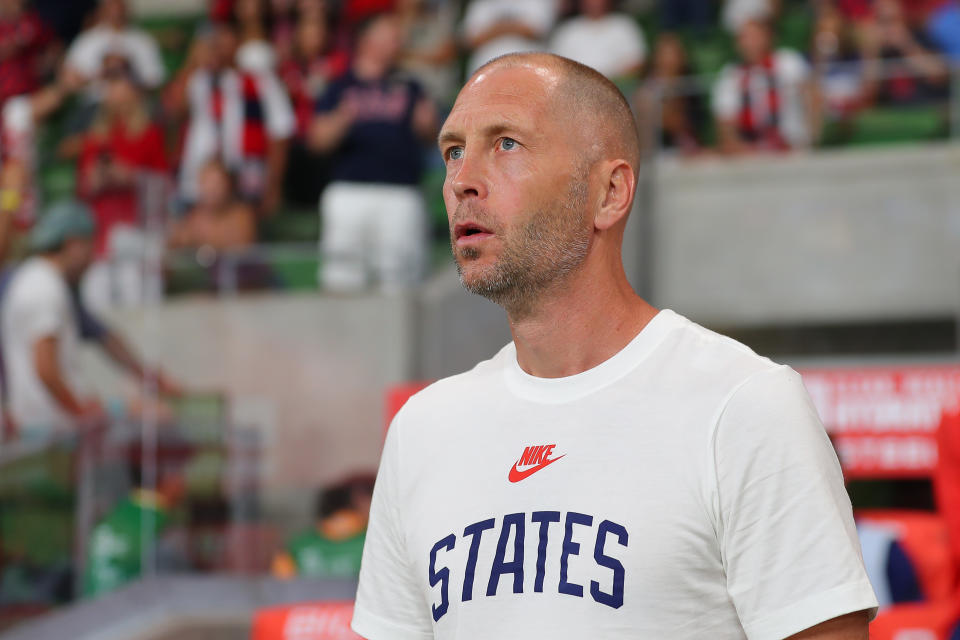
(611, 43)
(112, 34)
(767, 101)
(617, 471)
(42, 322)
(495, 27)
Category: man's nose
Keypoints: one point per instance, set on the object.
(469, 181)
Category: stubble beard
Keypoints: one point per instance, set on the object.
(537, 258)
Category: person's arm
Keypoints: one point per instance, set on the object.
(390, 599)
(813, 101)
(125, 358)
(283, 566)
(852, 626)
(47, 365)
(425, 120)
(725, 100)
(728, 137)
(276, 168)
(328, 129)
(784, 523)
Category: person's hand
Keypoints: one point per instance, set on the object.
(347, 110)
(270, 202)
(91, 416)
(70, 80)
(168, 386)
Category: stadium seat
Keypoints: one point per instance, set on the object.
(926, 621)
(924, 537)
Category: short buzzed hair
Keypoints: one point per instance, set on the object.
(588, 92)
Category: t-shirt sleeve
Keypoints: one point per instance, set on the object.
(725, 98)
(788, 541)
(793, 69)
(41, 310)
(389, 604)
(280, 119)
(329, 99)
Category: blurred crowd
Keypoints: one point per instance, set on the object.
(335, 103)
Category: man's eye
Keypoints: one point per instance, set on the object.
(507, 144)
(455, 153)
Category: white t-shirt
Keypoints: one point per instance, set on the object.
(684, 488)
(790, 72)
(613, 44)
(37, 305)
(88, 50)
(538, 15)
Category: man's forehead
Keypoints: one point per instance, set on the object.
(517, 96)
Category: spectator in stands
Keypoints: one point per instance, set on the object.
(112, 33)
(332, 548)
(115, 548)
(255, 52)
(900, 69)
(20, 117)
(42, 320)
(736, 13)
(838, 65)
(767, 100)
(664, 95)
(307, 74)
(611, 43)
(219, 219)
(242, 117)
(430, 51)
(122, 143)
(283, 23)
(27, 49)
(496, 27)
(374, 124)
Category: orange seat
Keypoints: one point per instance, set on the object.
(925, 540)
(920, 621)
(308, 621)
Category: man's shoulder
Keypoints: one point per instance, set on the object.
(34, 280)
(705, 357)
(473, 385)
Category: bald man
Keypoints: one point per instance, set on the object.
(616, 471)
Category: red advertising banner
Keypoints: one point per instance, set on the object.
(884, 420)
(320, 621)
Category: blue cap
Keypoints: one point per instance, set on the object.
(61, 221)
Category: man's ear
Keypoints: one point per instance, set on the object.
(617, 198)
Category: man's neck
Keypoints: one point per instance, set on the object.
(53, 260)
(579, 324)
(367, 68)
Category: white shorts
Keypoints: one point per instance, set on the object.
(372, 232)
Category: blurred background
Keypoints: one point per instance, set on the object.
(225, 266)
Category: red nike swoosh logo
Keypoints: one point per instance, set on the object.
(516, 475)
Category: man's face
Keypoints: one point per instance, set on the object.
(515, 189)
(114, 12)
(753, 42)
(78, 254)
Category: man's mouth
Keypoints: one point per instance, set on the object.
(465, 233)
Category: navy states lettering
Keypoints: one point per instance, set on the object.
(576, 533)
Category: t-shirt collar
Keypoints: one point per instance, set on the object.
(566, 389)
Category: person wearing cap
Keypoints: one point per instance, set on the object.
(42, 322)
